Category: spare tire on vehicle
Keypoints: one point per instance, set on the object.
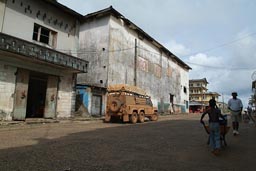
(115, 105)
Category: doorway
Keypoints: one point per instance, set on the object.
(36, 95)
(96, 105)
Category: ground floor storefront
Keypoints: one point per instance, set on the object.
(36, 82)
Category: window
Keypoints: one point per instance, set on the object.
(44, 35)
(171, 98)
(185, 89)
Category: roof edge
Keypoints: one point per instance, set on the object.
(64, 8)
(111, 11)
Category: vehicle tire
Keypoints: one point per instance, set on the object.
(154, 117)
(115, 105)
(141, 117)
(134, 117)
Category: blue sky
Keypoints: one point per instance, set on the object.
(217, 38)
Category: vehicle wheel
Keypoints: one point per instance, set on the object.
(141, 117)
(115, 105)
(134, 118)
(154, 117)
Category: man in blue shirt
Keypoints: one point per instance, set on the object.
(235, 106)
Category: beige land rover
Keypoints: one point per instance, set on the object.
(129, 104)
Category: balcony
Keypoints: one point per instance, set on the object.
(33, 51)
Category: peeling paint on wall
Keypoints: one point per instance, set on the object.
(155, 72)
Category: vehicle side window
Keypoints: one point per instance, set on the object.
(149, 102)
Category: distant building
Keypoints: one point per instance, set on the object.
(199, 96)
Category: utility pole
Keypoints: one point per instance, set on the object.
(135, 64)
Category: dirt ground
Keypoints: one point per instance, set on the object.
(175, 142)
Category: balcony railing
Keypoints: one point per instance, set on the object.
(30, 50)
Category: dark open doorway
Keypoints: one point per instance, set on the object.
(36, 95)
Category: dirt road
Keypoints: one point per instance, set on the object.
(176, 142)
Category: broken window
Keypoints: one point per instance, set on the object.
(44, 35)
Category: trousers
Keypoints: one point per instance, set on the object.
(214, 135)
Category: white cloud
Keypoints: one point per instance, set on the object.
(225, 74)
(221, 77)
(177, 48)
(244, 51)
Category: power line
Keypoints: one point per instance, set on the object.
(208, 66)
(222, 67)
(221, 45)
(87, 51)
(80, 51)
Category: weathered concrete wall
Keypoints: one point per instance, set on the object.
(185, 86)
(93, 41)
(20, 24)
(122, 54)
(7, 87)
(65, 96)
(86, 95)
(155, 72)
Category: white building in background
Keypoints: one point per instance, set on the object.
(37, 80)
(120, 52)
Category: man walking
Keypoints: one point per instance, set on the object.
(235, 106)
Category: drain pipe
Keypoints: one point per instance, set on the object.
(135, 64)
(5, 2)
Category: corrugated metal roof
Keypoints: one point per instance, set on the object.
(199, 80)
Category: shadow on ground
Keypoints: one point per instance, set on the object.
(152, 146)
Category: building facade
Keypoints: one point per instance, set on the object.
(120, 52)
(199, 95)
(38, 59)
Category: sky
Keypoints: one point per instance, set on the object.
(216, 38)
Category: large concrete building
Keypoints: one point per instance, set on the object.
(36, 78)
(44, 45)
(120, 52)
